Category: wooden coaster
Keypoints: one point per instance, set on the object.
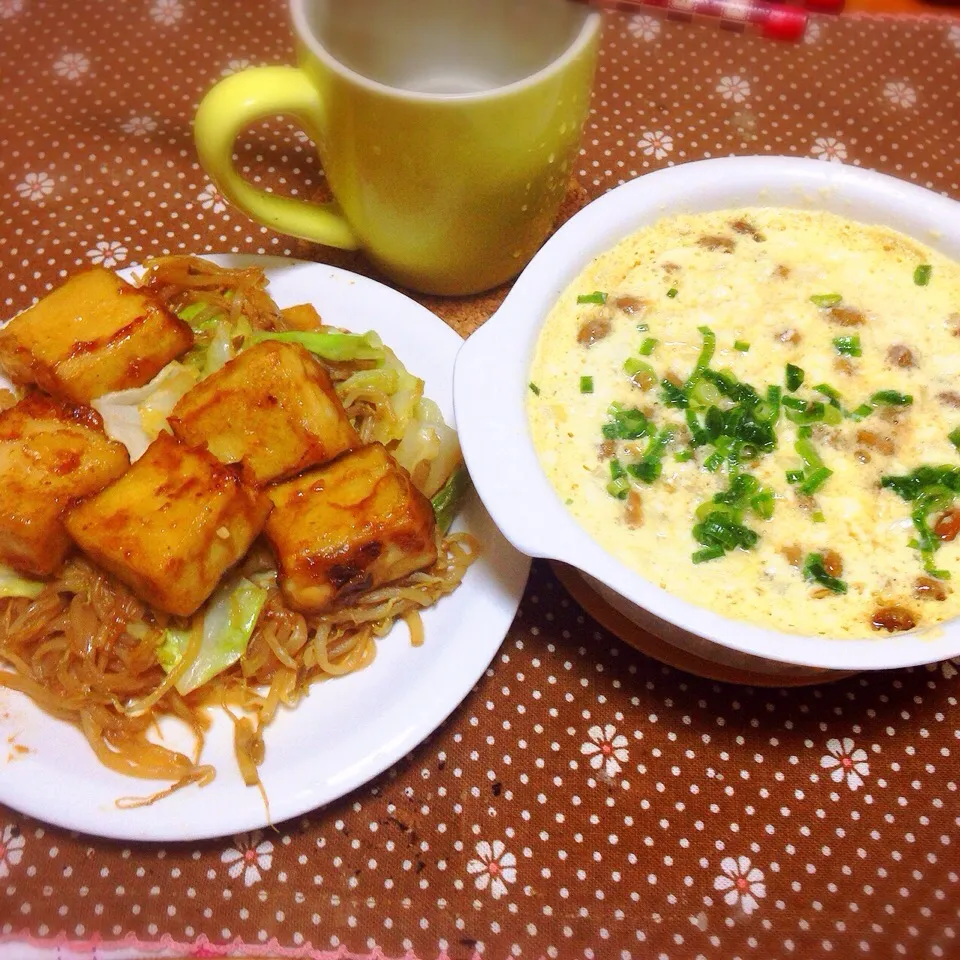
(673, 656)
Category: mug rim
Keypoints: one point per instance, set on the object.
(592, 24)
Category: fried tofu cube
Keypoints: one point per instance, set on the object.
(171, 525)
(94, 334)
(273, 409)
(50, 453)
(352, 524)
(303, 316)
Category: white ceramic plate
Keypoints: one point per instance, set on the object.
(347, 730)
(491, 387)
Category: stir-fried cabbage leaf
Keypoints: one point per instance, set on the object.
(332, 345)
(136, 417)
(429, 450)
(446, 502)
(228, 622)
(13, 585)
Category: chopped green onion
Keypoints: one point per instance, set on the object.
(619, 488)
(826, 299)
(921, 276)
(832, 415)
(673, 396)
(708, 553)
(794, 476)
(818, 517)
(794, 403)
(672, 292)
(954, 437)
(586, 384)
(646, 348)
(705, 355)
(848, 346)
(741, 345)
(682, 456)
(643, 327)
(616, 469)
(793, 377)
(774, 393)
(762, 504)
(597, 296)
(534, 388)
(650, 466)
(815, 480)
(704, 394)
(891, 398)
(625, 424)
(807, 453)
(813, 569)
(813, 412)
(805, 432)
(832, 395)
(713, 462)
(632, 366)
(861, 412)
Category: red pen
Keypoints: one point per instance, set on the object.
(777, 21)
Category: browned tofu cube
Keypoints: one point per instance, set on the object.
(94, 334)
(352, 524)
(50, 452)
(273, 409)
(171, 525)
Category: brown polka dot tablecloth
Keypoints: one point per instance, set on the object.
(583, 801)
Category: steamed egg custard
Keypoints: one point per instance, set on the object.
(759, 411)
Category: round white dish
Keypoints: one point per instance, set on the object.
(347, 730)
(490, 387)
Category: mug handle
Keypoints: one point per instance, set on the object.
(232, 105)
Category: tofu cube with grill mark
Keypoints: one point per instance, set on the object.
(171, 526)
(94, 334)
(273, 409)
(50, 453)
(355, 523)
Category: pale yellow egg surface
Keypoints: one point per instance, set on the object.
(765, 505)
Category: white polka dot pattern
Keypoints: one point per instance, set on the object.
(583, 801)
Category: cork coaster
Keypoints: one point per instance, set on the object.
(674, 656)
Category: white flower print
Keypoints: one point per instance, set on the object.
(210, 199)
(829, 148)
(846, 762)
(35, 186)
(10, 8)
(813, 31)
(235, 66)
(250, 855)
(655, 143)
(734, 88)
(949, 668)
(302, 137)
(11, 849)
(953, 36)
(742, 882)
(167, 12)
(900, 94)
(72, 66)
(644, 27)
(139, 126)
(108, 253)
(496, 867)
(606, 748)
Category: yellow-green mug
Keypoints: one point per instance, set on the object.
(447, 130)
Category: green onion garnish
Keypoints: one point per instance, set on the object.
(650, 466)
(794, 403)
(794, 476)
(704, 394)
(818, 517)
(673, 396)
(864, 410)
(616, 469)
(643, 327)
(741, 345)
(619, 488)
(625, 424)
(708, 553)
(826, 299)
(815, 480)
(646, 348)
(682, 456)
(813, 569)
(921, 276)
(891, 398)
(954, 437)
(713, 462)
(672, 292)
(586, 384)
(534, 388)
(774, 393)
(804, 432)
(807, 453)
(832, 395)
(793, 377)
(848, 346)
(598, 296)
(705, 355)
